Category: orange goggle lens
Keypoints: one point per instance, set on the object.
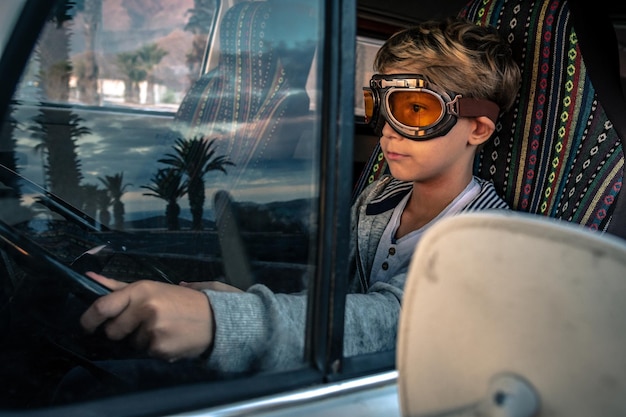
(417, 109)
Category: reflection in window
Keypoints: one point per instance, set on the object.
(169, 163)
(130, 53)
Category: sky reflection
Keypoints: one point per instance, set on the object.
(132, 143)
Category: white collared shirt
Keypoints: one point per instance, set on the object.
(394, 255)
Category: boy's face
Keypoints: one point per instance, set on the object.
(450, 154)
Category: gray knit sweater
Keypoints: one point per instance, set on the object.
(261, 330)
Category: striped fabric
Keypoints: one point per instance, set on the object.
(395, 190)
(555, 153)
(248, 99)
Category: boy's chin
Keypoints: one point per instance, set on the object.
(402, 175)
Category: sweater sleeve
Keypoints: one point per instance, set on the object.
(371, 319)
(260, 330)
(257, 330)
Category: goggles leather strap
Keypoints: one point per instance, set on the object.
(475, 107)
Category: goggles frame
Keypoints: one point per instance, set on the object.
(453, 106)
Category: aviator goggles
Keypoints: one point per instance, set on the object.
(418, 109)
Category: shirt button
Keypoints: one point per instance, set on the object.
(392, 251)
(385, 266)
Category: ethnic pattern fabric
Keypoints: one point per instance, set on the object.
(555, 153)
(248, 98)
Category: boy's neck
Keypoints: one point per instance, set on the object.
(427, 200)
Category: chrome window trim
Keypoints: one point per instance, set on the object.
(373, 393)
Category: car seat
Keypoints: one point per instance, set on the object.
(559, 151)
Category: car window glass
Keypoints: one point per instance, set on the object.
(164, 140)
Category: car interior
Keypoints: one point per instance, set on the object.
(551, 270)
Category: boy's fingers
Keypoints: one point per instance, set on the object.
(107, 282)
(104, 308)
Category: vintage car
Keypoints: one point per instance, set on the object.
(196, 140)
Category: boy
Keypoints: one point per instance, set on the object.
(435, 100)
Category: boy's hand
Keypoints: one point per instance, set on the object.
(168, 321)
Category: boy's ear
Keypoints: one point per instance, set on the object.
(483, 128)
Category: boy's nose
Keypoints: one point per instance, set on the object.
(389, 133)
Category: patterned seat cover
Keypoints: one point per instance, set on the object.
(251, 98)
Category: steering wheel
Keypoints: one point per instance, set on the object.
(44, 294)
(38, 261)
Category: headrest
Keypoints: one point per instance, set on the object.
(500, 306)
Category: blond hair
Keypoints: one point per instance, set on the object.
(458, 56)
